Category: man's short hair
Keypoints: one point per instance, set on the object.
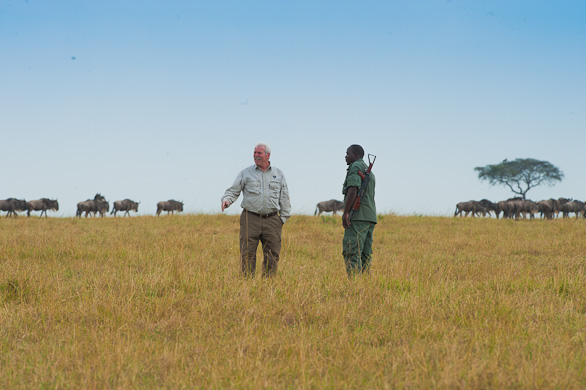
(266, 146)
(357, 149)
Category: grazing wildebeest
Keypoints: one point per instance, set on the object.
(96, 205)
(12, 205)
(125, 205)
(329, 206)
(43, 205)
(471, 206)
(169, 206)
(573, 206)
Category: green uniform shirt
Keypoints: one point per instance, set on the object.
(367, 209)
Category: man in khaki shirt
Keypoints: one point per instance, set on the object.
(266, 207)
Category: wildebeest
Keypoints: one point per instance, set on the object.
(559, 204)
(471, 206)
(546, 208)
(489, 206)
(125, 205)
(96, 205)
(514, 207)
(12, 205)
(169, 206)
(573, 206)
(43, 205)
(503, 207)
(511, 208)
(329, 206)
(527, 207)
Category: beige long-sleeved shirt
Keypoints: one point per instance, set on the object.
(263, 192)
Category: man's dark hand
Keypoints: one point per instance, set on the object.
(346, 220)
(349, 199)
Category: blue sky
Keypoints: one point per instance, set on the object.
(154, 100)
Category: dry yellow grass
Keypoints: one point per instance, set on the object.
(158, 303)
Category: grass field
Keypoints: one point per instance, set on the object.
(158, 303)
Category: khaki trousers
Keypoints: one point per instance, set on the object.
(253, 229)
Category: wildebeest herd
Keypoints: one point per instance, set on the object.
(97, 205)
(511, 208)
(522, 208)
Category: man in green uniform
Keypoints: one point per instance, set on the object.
(357, 244)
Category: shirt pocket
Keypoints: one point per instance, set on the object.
(274, 189)
(253, 187)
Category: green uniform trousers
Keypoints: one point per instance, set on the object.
(357, 247)
(253, 229)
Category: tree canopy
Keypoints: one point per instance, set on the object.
(521, 174)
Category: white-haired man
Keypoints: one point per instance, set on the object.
(266, 208)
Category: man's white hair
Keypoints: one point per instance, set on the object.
(266, 146)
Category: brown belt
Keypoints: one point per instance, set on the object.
(263, 215)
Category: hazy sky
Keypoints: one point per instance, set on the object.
(152, 100)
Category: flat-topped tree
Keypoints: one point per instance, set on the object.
(520, 175)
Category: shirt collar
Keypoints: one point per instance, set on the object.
(268, 169)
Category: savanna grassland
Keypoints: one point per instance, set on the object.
(159, 303)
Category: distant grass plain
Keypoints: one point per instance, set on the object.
(149, 302)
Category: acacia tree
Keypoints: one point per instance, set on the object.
(521, 174)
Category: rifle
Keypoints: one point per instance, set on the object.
(365, 180)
